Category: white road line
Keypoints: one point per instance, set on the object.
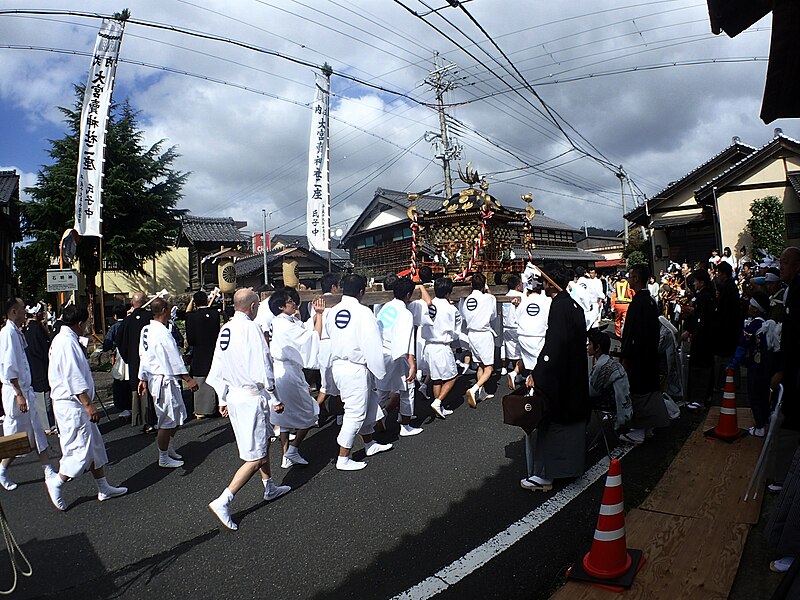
(476, 558)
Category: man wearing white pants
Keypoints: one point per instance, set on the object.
(19, 399)
(241, 373)
(532, 314)
(161, 369)
(356, 361)
(72, 391)
(479, 310)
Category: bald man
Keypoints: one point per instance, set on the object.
(127, 341)
(241, 373)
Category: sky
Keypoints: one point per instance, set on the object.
(641, 84)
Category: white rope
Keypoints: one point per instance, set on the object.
(13, 551)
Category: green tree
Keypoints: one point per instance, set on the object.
(767, 225)
(140, 191)
(635, 251)
(31, 266)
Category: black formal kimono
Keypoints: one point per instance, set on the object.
(641, 361)
(561, 380)
(202, 329)
(127, 341)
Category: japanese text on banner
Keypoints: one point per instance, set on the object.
(318, 206)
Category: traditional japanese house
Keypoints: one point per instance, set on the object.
(208, 240)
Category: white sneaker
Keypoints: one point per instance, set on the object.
(374, 448)
(54, 490)
(436, 407)
(272, 491)
(167, 462)
(446, 411)
(503, 371)
(408, 430)
(223, 513)
(7, 483)
(345, 463)
(173, 453)
(111, 492)
(484, 395)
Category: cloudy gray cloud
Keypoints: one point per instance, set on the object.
(247, 151)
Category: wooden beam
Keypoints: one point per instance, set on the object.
(14, 445)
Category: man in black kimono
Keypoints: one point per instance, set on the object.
(127, 341)
(700, 326)
(558, 446)
(202, 329)
(641, 361)
(728, 321)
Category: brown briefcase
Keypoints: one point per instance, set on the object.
(523, 409)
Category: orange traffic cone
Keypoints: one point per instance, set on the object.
(727, 428)
(609, 562)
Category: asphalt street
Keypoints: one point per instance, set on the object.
(367, 534)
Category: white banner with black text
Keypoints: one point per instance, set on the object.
(318, 207)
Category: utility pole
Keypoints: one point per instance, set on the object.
(439, 80)
(621, 176)
(264, 246)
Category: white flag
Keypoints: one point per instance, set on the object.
(94, 119)
(318, 208)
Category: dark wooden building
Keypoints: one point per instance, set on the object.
(208, 239)
(9, 231)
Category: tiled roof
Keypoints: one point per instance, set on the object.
(779, 140)
(338, 255)
(560, 254)
(212, 229)
(540, 221)
(794, 181)
(424, 203)
(736, 150)
(250, 265)
(9, 186)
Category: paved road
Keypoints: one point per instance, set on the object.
(369, 534)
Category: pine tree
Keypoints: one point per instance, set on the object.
(140, 191)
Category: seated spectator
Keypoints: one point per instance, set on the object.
(609, 389)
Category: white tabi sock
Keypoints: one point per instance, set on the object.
(171, 451)
(102, 484)
(266, 481)
(226, 497)
(163, 455)
(48, 470)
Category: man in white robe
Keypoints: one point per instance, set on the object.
(294, 346)
(161, 369)
(532, 314)
(72, 391)
(439, 336)
(479, 311)
(356, 362)
(510, 340)
(396, 326)
(581, 291)
(241, 373)
(19, 399)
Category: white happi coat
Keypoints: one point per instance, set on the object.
(396, 325)
(69, 374)
(586, 299)
(479, 311)
(532, 314)
(439, 335)
(161, 365)
(14, 365)
(356, 362)
(294, 346)
(327, 384)
(510, 326)
(264, 317)
(241, 374)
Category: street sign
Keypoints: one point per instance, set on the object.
(62, 280)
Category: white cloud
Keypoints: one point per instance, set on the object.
(247, 151)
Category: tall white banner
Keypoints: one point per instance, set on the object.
(94, 120)
(318, 209)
